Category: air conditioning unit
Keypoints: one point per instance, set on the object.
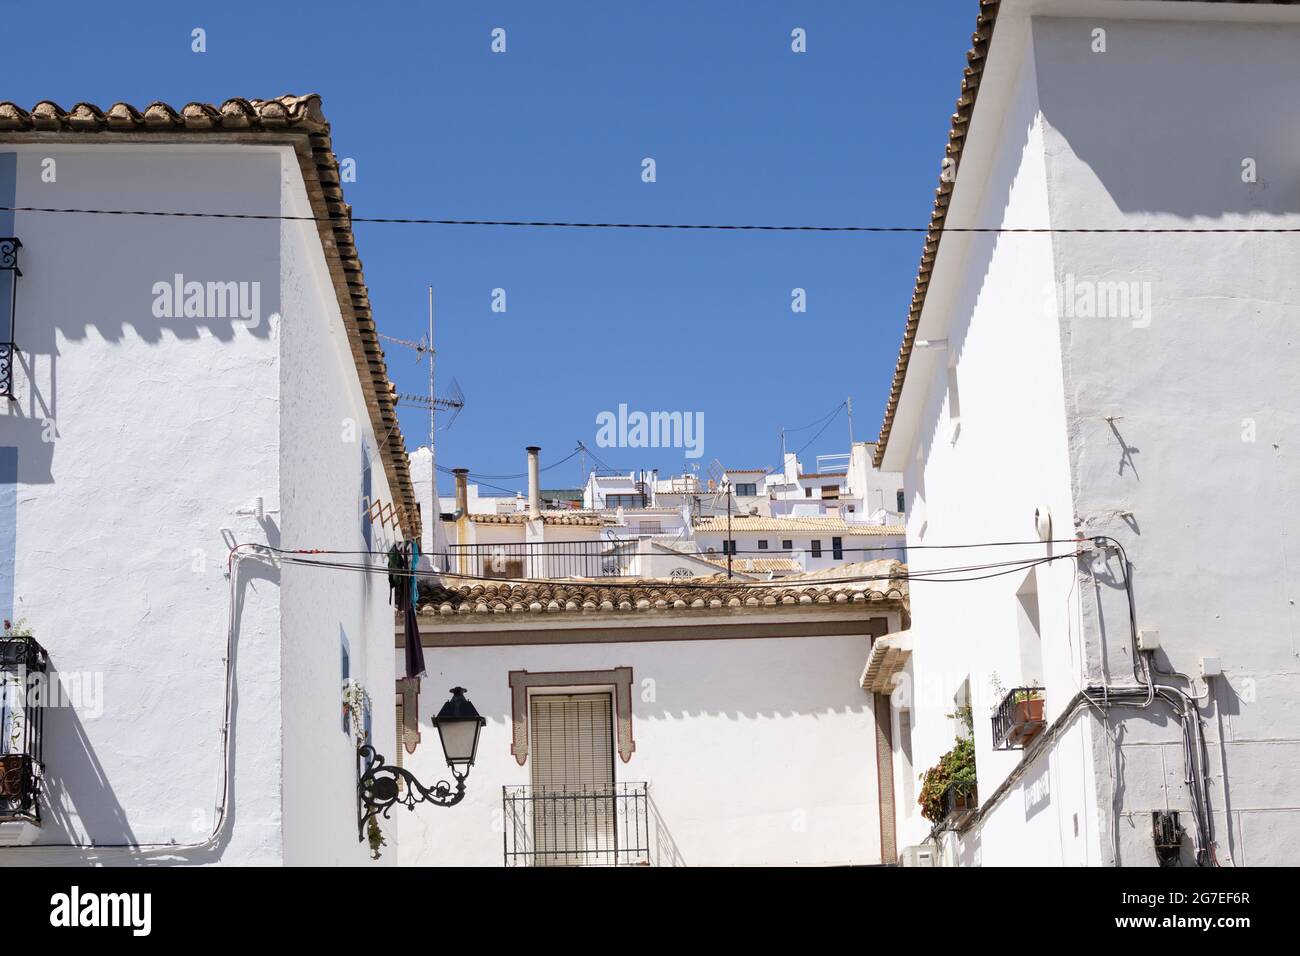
(921, 855)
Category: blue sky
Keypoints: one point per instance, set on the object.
(741, 130)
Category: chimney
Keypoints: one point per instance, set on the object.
(534, 493)
(462, 491)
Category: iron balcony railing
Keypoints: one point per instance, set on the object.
(9, 246)
(23, 665)
(590, 826)
(545, 559)
(1018, 718)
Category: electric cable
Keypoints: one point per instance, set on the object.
(727, 227)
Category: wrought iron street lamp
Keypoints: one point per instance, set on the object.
(378, 792)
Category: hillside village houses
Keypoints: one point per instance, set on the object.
(1125, 695)
(136, 546)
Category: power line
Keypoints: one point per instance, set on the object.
(729, 227)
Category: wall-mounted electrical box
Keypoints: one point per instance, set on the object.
(1148, 639)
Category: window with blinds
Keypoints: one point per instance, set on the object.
(572, 757)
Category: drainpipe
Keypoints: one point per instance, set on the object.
(534, 493)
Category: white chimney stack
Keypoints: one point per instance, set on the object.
(534, 489)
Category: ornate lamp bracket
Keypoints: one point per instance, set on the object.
(378, 791)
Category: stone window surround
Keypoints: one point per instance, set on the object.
(620, 678)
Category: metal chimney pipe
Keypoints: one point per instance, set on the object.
(534, 486)
(462, 491)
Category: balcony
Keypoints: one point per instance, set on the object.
(9, 246)
(546, 559)
(1018, 719)
(595, 826)
(959, 802)
(22, 675)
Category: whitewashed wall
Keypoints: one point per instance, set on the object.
(1007, 458)
(1130, 425)
(166, 430)
(756, 751)
(329, 469)
(1200, 389)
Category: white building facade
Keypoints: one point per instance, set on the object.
(1100, 396)
(185, 390)
(655, 724)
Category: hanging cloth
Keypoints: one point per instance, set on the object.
(408, 600)
(396, 564)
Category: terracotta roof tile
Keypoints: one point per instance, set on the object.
(971, 76)
(746, 524)
(757, 565)
(482, 597)
(548, 517)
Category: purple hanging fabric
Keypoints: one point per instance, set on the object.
(407, 601)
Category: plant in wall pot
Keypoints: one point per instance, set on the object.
(356, 704)
(950, 784)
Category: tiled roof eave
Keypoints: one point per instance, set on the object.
(975, 57)
(483, 600)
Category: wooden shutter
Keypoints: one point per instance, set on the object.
(572, 757)
(573, 741)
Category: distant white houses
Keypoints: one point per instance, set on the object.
(644, 531)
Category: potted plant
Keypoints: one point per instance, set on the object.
(356, 704)
(949, 786)
(1017, 715)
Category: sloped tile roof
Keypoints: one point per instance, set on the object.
(294, 119)
(757, 565)
(548, 517)
(747, 524)
(701, 594)
(970, 84)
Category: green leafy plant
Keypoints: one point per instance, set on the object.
(21, 629)
(356, 704)
(376, 838)
(1029, 693)
(955, 769)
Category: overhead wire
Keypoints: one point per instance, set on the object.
(726, 227)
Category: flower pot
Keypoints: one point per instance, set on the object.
(1028, 720)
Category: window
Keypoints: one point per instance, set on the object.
(650, 527)
(807, 492)
(816, 547)
(902, 501)
(746, 489)
(572, 753)
(762, 544)
(837, 549)
(787, 544)
(962, 717)
(831, 491)
(625, 501)
(905, 747)
(728, 547)
(1030, 628)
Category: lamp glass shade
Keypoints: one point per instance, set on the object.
(458, 726)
